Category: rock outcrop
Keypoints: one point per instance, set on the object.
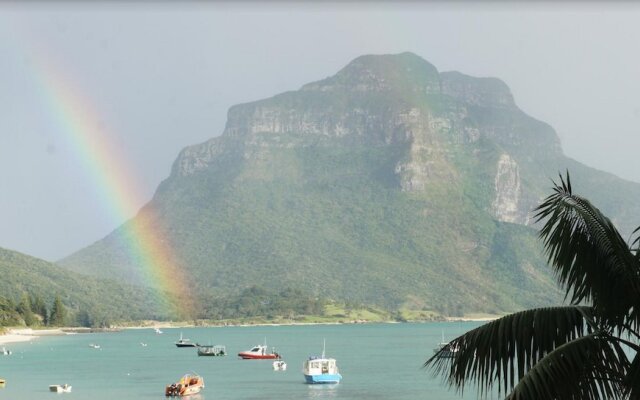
(505, 206)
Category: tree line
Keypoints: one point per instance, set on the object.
(256, 301)
(33, 311)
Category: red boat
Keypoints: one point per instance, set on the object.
(259, 352)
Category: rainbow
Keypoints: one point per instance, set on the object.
(146, 238)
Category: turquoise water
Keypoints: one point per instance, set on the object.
(377, 361)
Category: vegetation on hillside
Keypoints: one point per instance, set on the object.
(33, 312)
(38, 293)
(331, 222)
(312, 189)
(259, 302)
(589, 349)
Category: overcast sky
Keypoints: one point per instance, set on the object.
(156, 77)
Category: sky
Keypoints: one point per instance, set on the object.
(98, 99)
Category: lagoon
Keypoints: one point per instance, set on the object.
(377, 361)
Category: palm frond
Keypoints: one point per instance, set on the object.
(636, 243)
(589, 256)
(632, 380)
(501, 352)
(590, 367)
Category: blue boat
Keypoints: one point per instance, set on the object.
(321, 370)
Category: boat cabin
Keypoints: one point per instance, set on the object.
(319, 366)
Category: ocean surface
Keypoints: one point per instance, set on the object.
(377, 361)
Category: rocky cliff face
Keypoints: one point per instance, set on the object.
(197, 158)
(387, 182)
(507, 191)
(394, 101)
(482, 92)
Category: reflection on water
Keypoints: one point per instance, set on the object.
(325, 391)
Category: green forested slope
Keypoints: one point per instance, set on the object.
(87, 299)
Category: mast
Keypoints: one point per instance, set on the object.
(324, 343)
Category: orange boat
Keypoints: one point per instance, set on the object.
(187, 385)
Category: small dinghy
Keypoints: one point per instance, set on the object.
(66, 388)
(188, 385)
(279, 365)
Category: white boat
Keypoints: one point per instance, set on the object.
(143, 344)
(185, 342)
(5, 352)
(321, 369)
(94, 346)
(157, 331)
(445, 349)
(216, 351)
(66, 388)
(279, 365)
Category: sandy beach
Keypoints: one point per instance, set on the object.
(27, 334)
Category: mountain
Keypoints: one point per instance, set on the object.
(389, 183)
(99, 300)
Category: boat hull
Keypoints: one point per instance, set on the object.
(246, 356)
(323, 378)
(185, 392)
(186, 345)
(191, 390)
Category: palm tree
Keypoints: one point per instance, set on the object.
(585, 350)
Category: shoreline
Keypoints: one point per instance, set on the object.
(184, 324)
(20, 335)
